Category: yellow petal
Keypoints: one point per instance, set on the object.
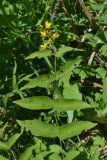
(43, 33)
(47, 25)
(44, 46)
(55, 35)
(49, 40)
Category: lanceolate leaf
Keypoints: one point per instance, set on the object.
(35, 103)
(74, 128)
(69, 104)
(44, 102)
(65, 49)
(39, 128)
(43, 129)
(40, 54)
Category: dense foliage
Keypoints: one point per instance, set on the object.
(53, 79)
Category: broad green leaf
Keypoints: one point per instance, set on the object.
(40, 54)
(74, 128)
(65, 49)
(71, 155)
(26, 155)
(39, 128)
(69, 104)
(35, 103)
(72, 92)
(42, 81)
(105, 90)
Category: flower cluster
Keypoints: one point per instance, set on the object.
(48, 35)
(53, 13)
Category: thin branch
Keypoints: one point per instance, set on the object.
(88, 15)
(95, 50)
(71, 22)
(93, 84)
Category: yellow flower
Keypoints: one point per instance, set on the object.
(43, 33)
(49, 40)
(55, 35)
(47, 25)
(43, 46)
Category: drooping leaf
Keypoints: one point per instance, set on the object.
(39, 128)
(35, 103)
(74, 128)
(40, 54)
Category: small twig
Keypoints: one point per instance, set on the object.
(94, 84)
(95, 50)
(88, 15)
(100, 60)
(13, 154)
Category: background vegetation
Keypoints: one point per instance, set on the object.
(53, 79)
